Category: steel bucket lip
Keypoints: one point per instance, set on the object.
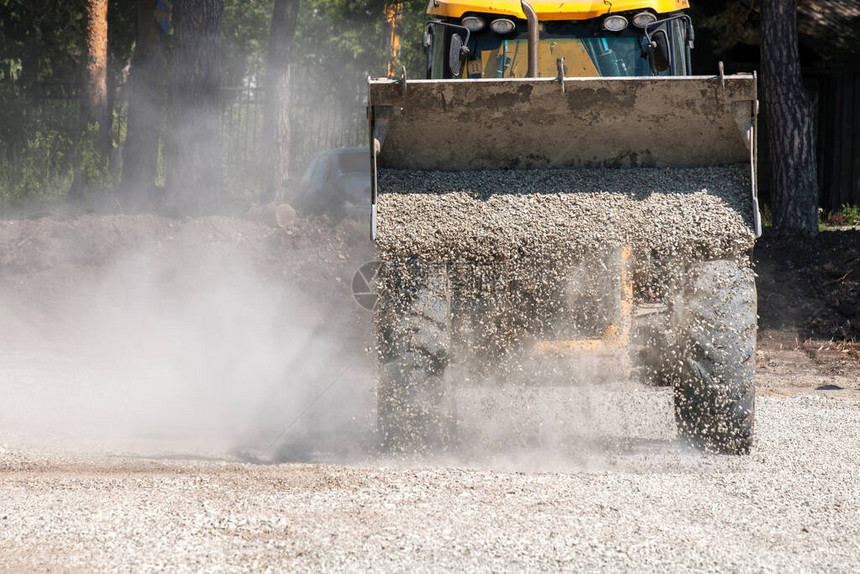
(419, 81)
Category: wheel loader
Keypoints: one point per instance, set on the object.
(560, 190)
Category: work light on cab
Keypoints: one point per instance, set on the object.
(642, 19)
(502, 26)
(473, 23)
(615, 23)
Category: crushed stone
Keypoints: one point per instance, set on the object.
(491, 215)
(647, 505)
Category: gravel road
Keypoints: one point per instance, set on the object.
(641, 502)
(119, 410)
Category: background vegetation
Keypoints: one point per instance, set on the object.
(48, 145)
(338, 44)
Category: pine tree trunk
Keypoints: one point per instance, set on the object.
(97, 36)
(140, 156)
(393, 18)
(790, 122)
(277, 111)
(193, 141)
(94, 107)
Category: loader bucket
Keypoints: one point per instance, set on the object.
(552, 230)
(694, 121)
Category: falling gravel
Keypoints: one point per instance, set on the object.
(535, 253)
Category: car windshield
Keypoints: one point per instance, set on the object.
(354, 162)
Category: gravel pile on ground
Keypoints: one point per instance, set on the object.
(646, 504)
(489, 215)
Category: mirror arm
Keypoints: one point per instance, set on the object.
(449, 25)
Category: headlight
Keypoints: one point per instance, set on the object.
(614, 23)
(642, 19)
(502, 26)
(473, 23)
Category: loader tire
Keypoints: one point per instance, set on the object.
(412, 413)
(715, 394)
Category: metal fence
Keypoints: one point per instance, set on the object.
(40, 133)
(242, 141)
(319, 120)
(839, 139)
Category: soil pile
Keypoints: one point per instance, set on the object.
(810, 285)
(307, 253)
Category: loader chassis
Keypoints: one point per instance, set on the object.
(492, 197)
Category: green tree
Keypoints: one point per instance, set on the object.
(43, 41)
(245, 39)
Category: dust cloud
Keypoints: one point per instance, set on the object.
(215, 337)
(189, 354)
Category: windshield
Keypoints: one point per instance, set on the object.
(583, 57)
(588, 51)
(353, 161)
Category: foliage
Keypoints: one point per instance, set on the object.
(340, 41)
(766, 215)
(846, 216)
(46, 41)
(245, 38)
(42, 51)
(122, 33)
(734, 22)
(37, 144)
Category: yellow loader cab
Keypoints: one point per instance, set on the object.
(490, 38)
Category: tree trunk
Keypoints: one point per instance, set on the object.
(97, 36)
(94, 107)
(193, 141)
(277, 111)
(140, 156)
(30, 67)
(790, 122)
(393, 18)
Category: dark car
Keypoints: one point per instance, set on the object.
(336, 183)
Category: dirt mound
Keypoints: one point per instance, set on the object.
(308, 253)
(810, 285)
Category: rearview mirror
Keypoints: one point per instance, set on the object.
(455, 55)
(659, 49)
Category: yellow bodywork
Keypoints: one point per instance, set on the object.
(551, 10)
(577, 62)
(616, 336)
